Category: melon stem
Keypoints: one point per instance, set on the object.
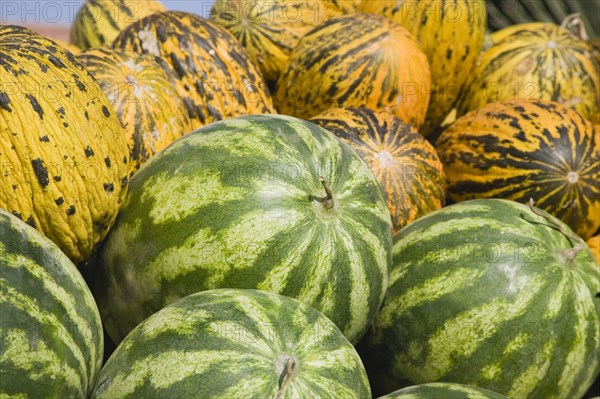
(570, 253)
(328, 200)
(289, 370)
(573, 21)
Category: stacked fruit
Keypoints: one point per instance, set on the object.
(151, 193)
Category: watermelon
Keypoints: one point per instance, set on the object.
(51, 338)
(443, 390)
(232, 343)
(264, 201)
(490, 293)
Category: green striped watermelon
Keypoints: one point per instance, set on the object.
(51, 338)
(443, 390)
(489, 293)
(228, 344)
(240, 204)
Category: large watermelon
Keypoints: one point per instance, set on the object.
(356, 60)
(240, 204)
(234, 344)
(405, 164)
(538, 149)
(51, 338)
(64, 160)
(490, 293)
(443, 390)
(535, 61)
(212, 71)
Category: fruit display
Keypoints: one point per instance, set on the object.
(536, 61)
(269, 30)
(234, 344)
(539, 149)
(311, 199)
(503, 13)
(63, 155)
(443, 390)
(356, 60)
(212, 71)
(265, 201)
(451, 33)
(98, 22)
(51, 336)
(141, 93)
(489, 293)
(406, 165)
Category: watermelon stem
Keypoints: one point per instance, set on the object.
(289, 370)
(570, 253)
(328, 200)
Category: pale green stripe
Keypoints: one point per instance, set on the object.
(28, 305)
(18, 352)
(428, 291)
(360, 290)
(268, 341)
(526, 382)
(482, 322)
(164, 369)
(277, 278)
(192, 193)
(585, 315)
(320, 270)
(557, 296)
(60, 295)
(178, 320)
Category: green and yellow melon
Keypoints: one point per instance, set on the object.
(146, 103)
(451, 34)
(64, 156)
(234, 344)
(51, 338)
(212, 71)
(521, 150)
(536, 61)
(69, 46)
(356, 60)
(99, 22)
(269, 30)
(405, 164)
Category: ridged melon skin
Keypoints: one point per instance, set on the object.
(64, 159)
(99, 22)
(213, 72)
(356, 60)
(503, 13)
(234, 344)
(143, 97)
(535, 61)
(406, 165)
(482, 293)
(539, 149)
(51, 340)
(451, 33)
(239, 204)
(270, 29)
(443, 390)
